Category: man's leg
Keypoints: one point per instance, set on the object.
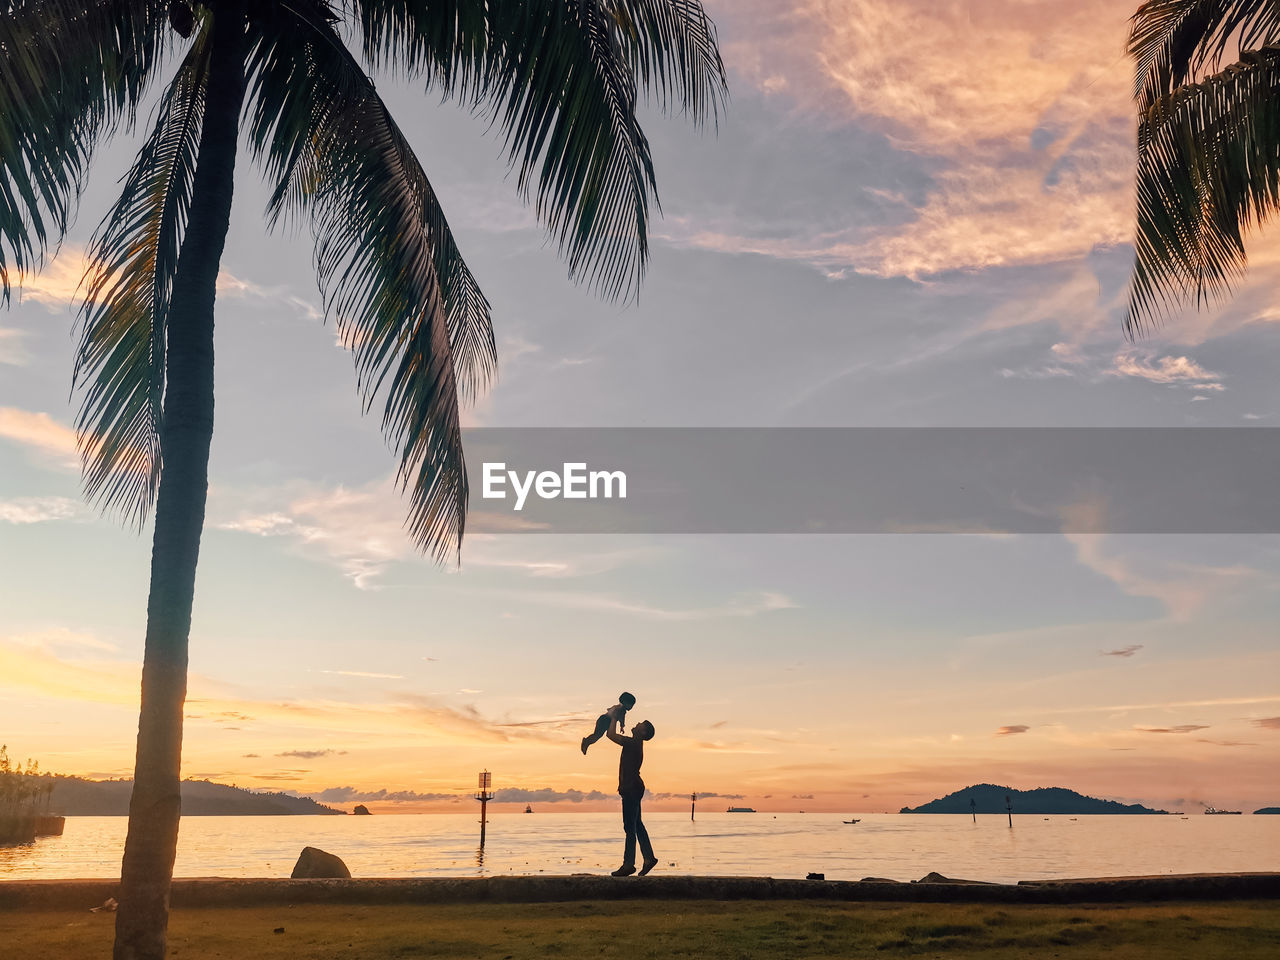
(630, 817)
(646, 848)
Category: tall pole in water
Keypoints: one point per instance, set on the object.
(973, 809)
(1008, 805)
(693, 801)
(484, 796)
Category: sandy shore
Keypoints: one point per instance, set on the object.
(224, 892)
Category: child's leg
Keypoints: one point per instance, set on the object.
(602, 724)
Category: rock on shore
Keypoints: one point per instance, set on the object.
(315, 864)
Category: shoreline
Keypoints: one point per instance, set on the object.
(227, 892)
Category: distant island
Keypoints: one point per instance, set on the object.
(77, 797)
(1267, 810)
(989, 798)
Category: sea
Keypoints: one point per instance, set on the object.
(893, 846)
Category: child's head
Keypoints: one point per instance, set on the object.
(627, 700)
(643, 730)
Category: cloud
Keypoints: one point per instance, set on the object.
(1167, 370)
(744, 606)
(1182, 588)
(57, 285)
(361, 673)
(352, 795)
(1180, 728)
(26, 510)
(1033, 152)
(1268, 723)
(1170, 705)
(60, 641)
(11, 350)
(360, 530)
(57, 666)
(311, 754)
(232, 286)
(1010, 730)
(41, 433)
(549, 795)
(1128, 651)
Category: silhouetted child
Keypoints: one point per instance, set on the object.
(615, 714)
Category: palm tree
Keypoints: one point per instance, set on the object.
(560, 78)
(1208, 146)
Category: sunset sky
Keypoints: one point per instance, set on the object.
(913, 214)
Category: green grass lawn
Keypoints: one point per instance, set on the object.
(706, 930)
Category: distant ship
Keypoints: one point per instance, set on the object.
(528, 808)
(1221, 812)
(740, 810)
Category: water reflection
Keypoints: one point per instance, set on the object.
(480, 860)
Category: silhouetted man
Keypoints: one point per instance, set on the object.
(631, 789)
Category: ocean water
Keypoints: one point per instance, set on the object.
(899, 847)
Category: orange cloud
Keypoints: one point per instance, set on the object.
(1027, 105)
(42, 433)
(57, 284)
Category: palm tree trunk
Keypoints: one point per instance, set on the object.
(185, 435)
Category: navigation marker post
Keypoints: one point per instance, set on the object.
(484, 796)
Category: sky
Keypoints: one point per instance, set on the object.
(911, 214)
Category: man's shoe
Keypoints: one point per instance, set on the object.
(584, 746)
(648, 865)
(625, 870)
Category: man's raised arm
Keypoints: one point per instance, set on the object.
(613, 734)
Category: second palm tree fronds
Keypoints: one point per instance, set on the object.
(1208, 165)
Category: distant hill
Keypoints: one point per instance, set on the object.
(989, 798)
(1267, 810)
(76, 797)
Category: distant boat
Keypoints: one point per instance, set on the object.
(854, 820)
(1215, 810)
(740, 810)
(528, 808)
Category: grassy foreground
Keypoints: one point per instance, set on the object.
(707, 930)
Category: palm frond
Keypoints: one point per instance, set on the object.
(561, 79)
(70, 70)
(133, 257)
(445, 40)
(1179, 41)
(389, 268)
(673, 52)
(564, 93)
(1208, 170)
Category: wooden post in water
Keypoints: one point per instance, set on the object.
(484, 796)
(693, 801)
(1008, 805)
(973, 809)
